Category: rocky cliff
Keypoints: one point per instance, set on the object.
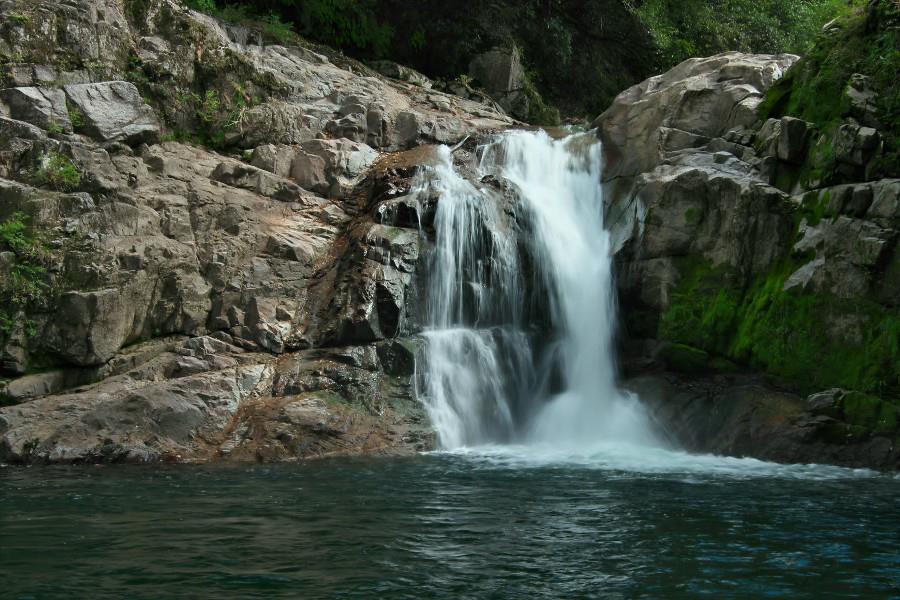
(209, 245)
(758, 275)
(165, 301)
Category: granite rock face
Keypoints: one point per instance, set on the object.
(745, 282)
(114, 112)
(193, 305)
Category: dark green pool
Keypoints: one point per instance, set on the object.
(482, 525)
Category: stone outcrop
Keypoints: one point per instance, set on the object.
(194, 305)
(698, 101)
(114, 112)
(745, 286)
(501, 74)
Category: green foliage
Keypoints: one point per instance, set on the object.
(207, 6)
(686, 28)
(870, 412)
(217, 114)
(18, 18)
(864, 40)
(417, 39)
(268, 23)
(23, 281)
(208, 106)
(348, 24)
(76, 117)
(58, 173)
(539, 112)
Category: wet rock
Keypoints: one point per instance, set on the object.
(167, 241)
(748, 418)
(402, 211)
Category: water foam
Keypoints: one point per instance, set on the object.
(518, 369)
(520, 301)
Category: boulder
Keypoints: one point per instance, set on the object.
(885, 206)
(853, 146)
(331, 166)
(262, 182)
(499, 70)
(93, 325)
(275, 158)
(44, 107)
(846, 254)
(114, 111)
(862, 99)
(793, 138)
(704, 97)
(273, 122)
(389, 68)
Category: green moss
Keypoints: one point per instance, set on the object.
(789, 334)
(18, 18)
(693, 216)
(539, 112)
(703, 308)
(873, 413)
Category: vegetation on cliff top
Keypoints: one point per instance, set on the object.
(808, 341)
(682, 29)
(865, 41)
(578, 53)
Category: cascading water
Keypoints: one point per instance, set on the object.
(520, 301)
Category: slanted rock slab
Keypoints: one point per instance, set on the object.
(114, 111)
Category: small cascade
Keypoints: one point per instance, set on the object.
(520, 303)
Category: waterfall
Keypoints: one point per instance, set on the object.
(520, 310)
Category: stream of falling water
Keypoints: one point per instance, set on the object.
(520, 305)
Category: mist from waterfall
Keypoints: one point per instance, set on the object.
(520, 310)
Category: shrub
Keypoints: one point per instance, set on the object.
(58, 173)
(865, 41)
(23, 284)
(686, 28)
(207, 6)
(76, 118)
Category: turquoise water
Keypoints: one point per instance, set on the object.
(482, 524)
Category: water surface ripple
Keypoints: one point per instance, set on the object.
(488, 523)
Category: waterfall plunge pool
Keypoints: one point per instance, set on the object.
(550, 489)
(496, 522)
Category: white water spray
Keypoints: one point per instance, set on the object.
(520, 302)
